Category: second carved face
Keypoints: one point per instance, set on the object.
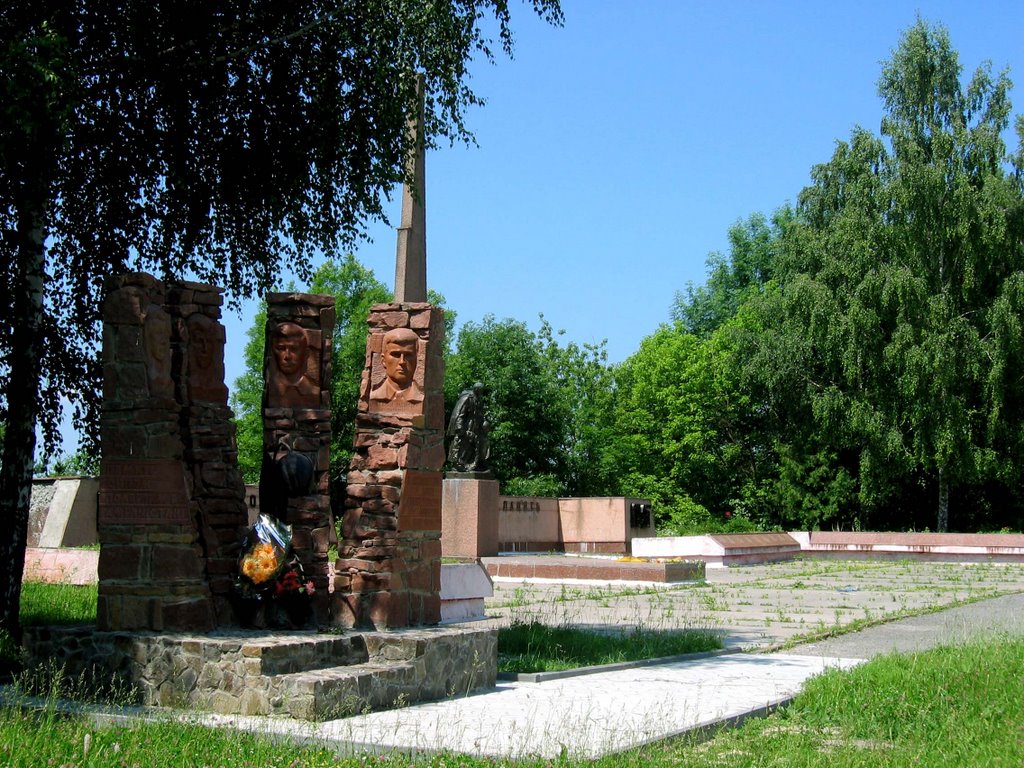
(291, 350)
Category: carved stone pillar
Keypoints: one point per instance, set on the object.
(388, 571)
(151, 565)
(295, 480)
(208, 434)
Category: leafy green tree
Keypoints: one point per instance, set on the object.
(891, 335)
(529, 416)
(586, 385)
(213, 139)
(753, 245)
(682, 433)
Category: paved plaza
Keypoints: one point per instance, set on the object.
(758, 609)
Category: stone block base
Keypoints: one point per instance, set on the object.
(301, 675)
(469, 518)
(463, 589)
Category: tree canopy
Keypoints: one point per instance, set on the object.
(875, 327)
(213, 139)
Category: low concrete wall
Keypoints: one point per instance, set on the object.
(62, 512)
(61, 566)
(721, 549)
(528, 524)
(598, 524)
(963, 547)
(749, 548)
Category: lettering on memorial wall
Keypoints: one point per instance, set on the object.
(519, 505)
(143, 491)
(292, 379)
(399, 389)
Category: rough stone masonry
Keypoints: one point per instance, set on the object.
(171, 505)
(388, 571)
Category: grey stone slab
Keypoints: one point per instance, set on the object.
(582, 717)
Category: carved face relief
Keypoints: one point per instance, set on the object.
(157, 339)
(400, 362)
(398, 391)
(206, 359)
(290, 383)
(290, 349)
(202, 342)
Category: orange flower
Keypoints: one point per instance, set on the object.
(260, 564)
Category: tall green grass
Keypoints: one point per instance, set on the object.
(57, 604)
(536, 647)
(48, 604)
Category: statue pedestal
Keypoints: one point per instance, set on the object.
(469, 516)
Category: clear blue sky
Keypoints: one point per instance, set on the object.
(615, 152)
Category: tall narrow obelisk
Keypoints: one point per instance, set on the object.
(411, 257)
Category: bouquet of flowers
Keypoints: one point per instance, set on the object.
(271, 588)
(264, 551)
(293, 583)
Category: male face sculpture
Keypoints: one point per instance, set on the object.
(201, 342)
(400, 357)
(291, 350)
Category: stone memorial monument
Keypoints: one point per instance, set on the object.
(470, 496)
(294, 477)
(171, 501)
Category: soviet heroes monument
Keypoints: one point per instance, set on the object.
(171, 508)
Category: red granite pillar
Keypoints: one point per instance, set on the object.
(208, 434)
(388, 570)
(295, 478)
(151, 565)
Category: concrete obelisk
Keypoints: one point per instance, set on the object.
(411, 257)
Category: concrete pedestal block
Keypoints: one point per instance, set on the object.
(469, 518)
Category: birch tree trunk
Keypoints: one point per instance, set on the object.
(22, 411)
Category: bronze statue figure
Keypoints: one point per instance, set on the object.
(469, 431)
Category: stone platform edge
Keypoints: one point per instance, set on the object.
(586, 569)
(301, 675)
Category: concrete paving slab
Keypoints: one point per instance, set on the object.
(582, 717)
(759, 607)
